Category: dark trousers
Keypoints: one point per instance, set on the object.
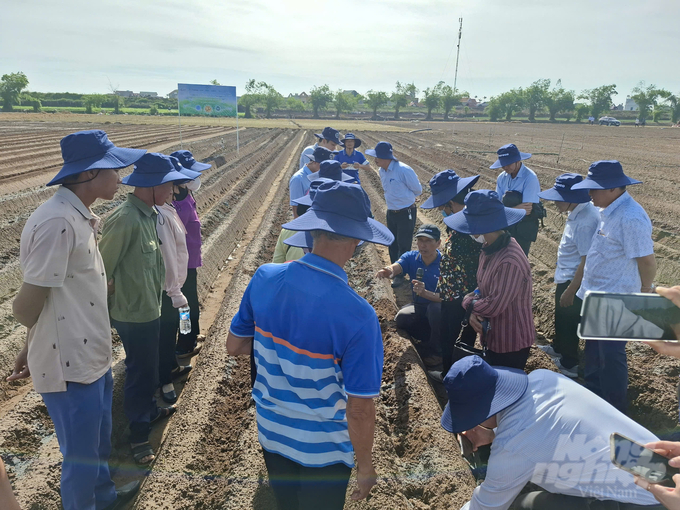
(422, 321)
(606, 371)
(566, 325)
(186, 343)
(299, 487)
(169, 327)
(452, 315)
(401, 227)
(540, 500)
(525, 232)
(82, 421)
(514, 359)
(140, 341)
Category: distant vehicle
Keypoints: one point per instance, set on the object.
(609, 121)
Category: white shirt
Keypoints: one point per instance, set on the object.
(306, 155)
(173, 237)
(624, 235)
(557, 437)
(400, 184)
(71, 342)
(525, 182)
(578, 234)
(299, 184)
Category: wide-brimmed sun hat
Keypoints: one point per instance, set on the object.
(483, 213)
(562, 190)
(309, 197)
(446, 185)
(304, 240)
(605, 175)
(331, 134)
(92, 150)
(383, 150)
(330, 169)
(154, 169)
(477, 391)
(351, 136)
(187, 160)
(509, 154)
(343, 209)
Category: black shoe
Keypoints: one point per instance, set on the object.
(398, 281)
(170, 397)
(124, 494)
(189, 354)
(180, 372)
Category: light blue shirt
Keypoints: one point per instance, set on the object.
(577, 237)
(624, 235)
(306, 155)
(557, 437)
(400, 184)
(299, 183)
(525, 182)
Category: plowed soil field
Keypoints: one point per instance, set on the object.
(208, 456)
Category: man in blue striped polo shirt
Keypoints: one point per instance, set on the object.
(318, 367)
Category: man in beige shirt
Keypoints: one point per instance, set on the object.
(63, 303)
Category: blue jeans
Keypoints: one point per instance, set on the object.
(82, 421)
(140, 341)
(606, 371)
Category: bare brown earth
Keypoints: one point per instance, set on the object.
(208, 452)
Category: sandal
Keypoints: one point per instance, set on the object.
(163, 412)
(141, 451)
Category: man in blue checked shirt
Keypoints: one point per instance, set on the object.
(401, 187)
(318, 368)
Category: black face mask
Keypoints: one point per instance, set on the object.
(183, 192)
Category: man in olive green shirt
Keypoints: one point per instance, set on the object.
(135, 272)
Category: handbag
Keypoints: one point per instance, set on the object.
(466, 349)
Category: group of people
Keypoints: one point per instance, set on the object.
(316, 346)
(139, 277)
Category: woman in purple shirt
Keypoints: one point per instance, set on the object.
(188, 345)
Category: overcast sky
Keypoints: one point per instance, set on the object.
(151, 45)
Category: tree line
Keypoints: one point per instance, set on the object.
(537, 98)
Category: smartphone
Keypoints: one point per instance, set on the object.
(628, 317)
(638, 460)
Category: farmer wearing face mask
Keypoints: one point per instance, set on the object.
(458, 267)
(190, 344)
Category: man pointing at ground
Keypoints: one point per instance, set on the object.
(317, 371)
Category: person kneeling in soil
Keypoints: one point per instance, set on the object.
(136, 274)
(63, 303)
(545, 429)
(318, 369)
(422, 318)
(503, 294)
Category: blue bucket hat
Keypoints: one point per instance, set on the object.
(330, 169)
(92, 150)
(304, 240)
(154, 169)
(309, 197)
(477, 391)
(562, 190)
(446, 185)
(343, 209)
(186, 159)
(350, 136)
(605, 175)
(331, 134)
(383, 150)
(483, 213)
(320, 154)
(509, 154)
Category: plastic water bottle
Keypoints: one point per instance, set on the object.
(184, 320)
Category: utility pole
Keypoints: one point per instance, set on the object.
(460, 34)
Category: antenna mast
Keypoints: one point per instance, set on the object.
(460, 34)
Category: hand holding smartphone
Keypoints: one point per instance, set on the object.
(640, 461)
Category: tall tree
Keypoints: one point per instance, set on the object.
(375, 99)
(295, 105)
(559, 100)
(270, 97)
(343, 102)
(506, 104)
(581, 111)
(400, 97)
(252, 97)
(11, 86)
(600, 99)
(647, 98)
(92, 101)
(432, 99)
(535, 95)
(674, 103)
(321, 97)
(450, 98)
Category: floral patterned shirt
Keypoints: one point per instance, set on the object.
(458, 267)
